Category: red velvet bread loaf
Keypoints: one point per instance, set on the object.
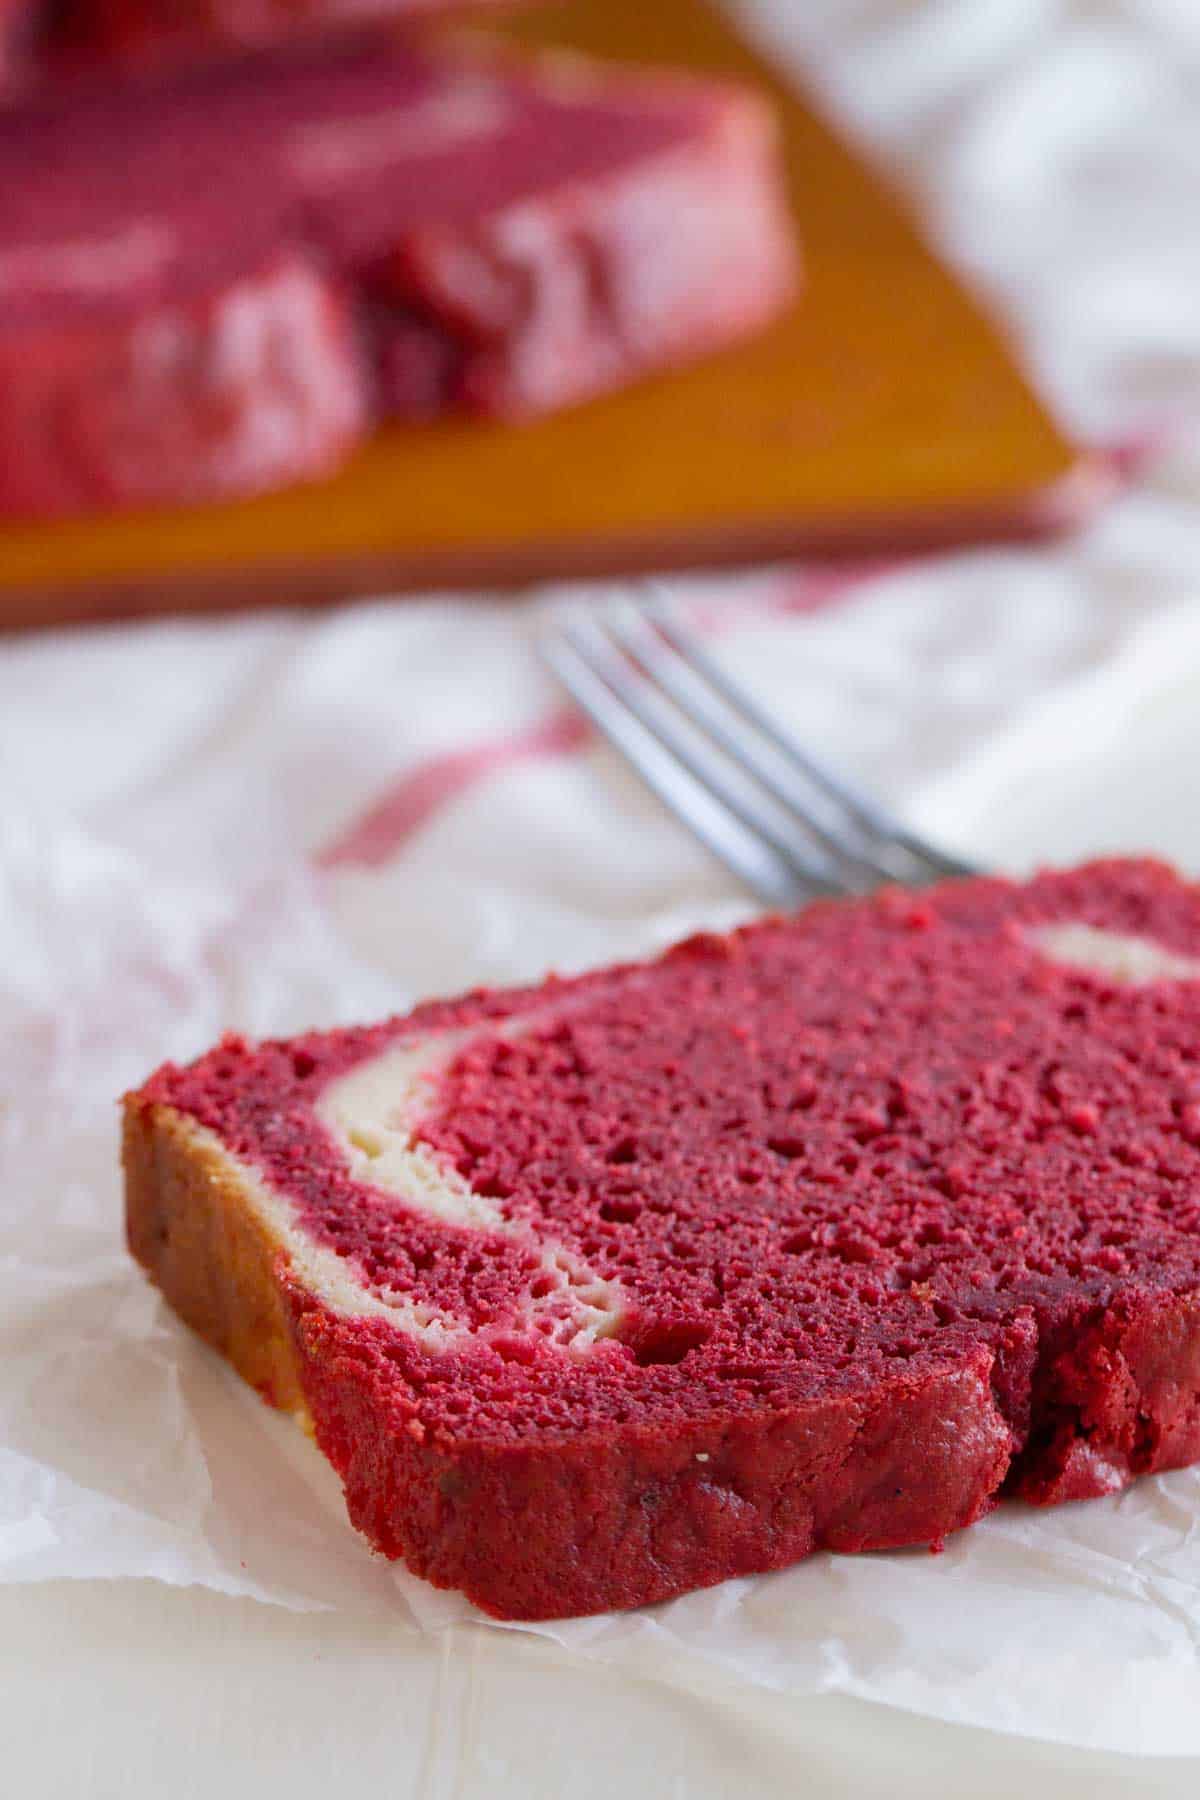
(826, 1233)
(216, 283)
(159, 30)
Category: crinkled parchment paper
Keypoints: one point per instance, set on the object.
(164, 889)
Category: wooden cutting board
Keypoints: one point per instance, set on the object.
(884, 411)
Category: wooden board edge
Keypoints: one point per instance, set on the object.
(1063, 505)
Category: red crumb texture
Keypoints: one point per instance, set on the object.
(273, 254)
(19, 21)
(905, 1215)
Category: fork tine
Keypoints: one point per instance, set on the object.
(590, 642)
(634, 630)
(871, 819)
(741, 852)
(687, 729)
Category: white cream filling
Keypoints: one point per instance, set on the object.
(1117, 956)
(132, 253)
(326, 1274)
(373, 1114)
(461, 112)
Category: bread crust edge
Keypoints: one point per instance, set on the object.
(190, 1224)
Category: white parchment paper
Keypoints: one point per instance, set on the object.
(126, 1449)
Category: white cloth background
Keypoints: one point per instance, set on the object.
(168, 789)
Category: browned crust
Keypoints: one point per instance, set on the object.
(191, 1223)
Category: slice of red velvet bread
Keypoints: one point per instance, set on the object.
(825, 1233)
(217, 283)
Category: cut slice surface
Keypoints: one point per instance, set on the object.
(925, 1165)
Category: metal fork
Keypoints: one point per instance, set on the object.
(790, 827)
